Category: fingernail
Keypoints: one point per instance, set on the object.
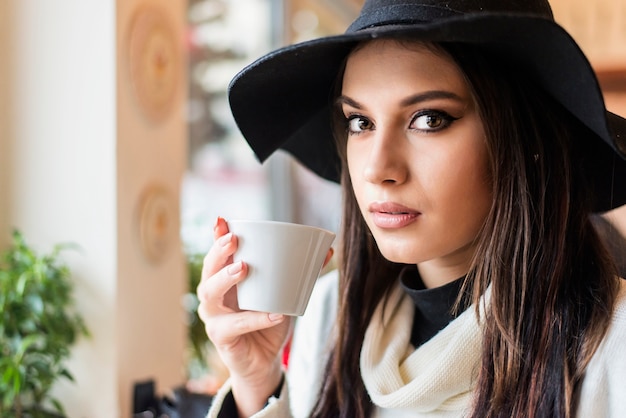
(234, 268)
(275, 317)
(217, 222)
(225, 239)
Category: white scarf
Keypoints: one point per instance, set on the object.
(438, 376)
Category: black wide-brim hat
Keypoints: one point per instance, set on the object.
(282, 100)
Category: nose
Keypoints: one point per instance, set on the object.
(386, 163)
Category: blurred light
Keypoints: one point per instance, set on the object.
(304, 21)
(206, 10)
(195, 110)
(218, 75)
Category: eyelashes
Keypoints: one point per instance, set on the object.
(426, 121)
(356, 124)
(432, 120)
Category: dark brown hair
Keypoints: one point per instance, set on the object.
(537, 244)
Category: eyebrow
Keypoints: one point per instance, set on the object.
(410, 100)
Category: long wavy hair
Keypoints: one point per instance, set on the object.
(553, 283)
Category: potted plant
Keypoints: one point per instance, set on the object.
(198, 341)
(206, 372)
(38, 326)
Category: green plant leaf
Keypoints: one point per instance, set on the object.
(26, 343)
(39, 325)
(21, 284)
(17, 381)
(66, 373)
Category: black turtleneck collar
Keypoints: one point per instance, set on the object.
(433, 307)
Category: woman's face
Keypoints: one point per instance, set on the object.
(416, 155)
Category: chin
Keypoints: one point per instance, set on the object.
(396, 255)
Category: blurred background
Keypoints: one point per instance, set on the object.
(116, 136)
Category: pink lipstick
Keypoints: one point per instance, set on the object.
(389, 215)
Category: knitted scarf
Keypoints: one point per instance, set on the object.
(437, 376)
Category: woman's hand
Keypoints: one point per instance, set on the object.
(249, 343)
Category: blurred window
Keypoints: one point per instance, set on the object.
(223, 177)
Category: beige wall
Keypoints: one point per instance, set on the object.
(63, 170)
(5, 117)
(77, 154)
(599, 27)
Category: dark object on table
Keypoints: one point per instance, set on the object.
(183, 404)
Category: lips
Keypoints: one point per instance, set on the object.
(389, 215)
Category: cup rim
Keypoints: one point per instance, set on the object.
(279, 223)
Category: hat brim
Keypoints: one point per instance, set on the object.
(282, 100)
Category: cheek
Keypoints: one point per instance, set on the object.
(353, 157)
(467, 189)
(458, 181)
(355, 161)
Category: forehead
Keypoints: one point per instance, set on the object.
(383, 64)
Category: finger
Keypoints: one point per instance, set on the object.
(220, 228)
(217, 295)
(219, 255)
(329, 256)
(226, 328)
(215, 260)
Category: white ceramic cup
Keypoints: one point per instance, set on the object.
(284, 260)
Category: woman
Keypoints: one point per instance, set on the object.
(473, 145)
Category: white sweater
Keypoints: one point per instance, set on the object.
(390, 373)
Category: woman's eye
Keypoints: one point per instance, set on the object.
(430, 120)
(357, 124)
